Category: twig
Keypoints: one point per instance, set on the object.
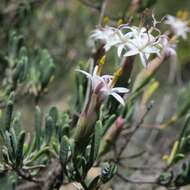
(135, 4)
(133, 156)
(51, 178)
(102, 12)
(26, 176)
(143, 168)
(87, 3)
(135, 181)
(130, 135)
(97, 7)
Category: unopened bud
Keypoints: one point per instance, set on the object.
(102, 60)
(111, 135)
(101, 64)
(183, 15)
(120, 22)
(106, 20)
(117, 74)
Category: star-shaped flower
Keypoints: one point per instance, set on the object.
(169, 46)
(141, 42)
(102, 85)
(179, 27)
(109, 35)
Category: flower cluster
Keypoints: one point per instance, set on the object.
(130, 41)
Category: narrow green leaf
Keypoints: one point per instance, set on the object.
(48, 129)
(53, 113)
(47, 74)
(64, 149)
(38, 126)
(16, 124)
(20, 149)
(9, 146)
(108, 123)
(8, 114)
(44, 150)
(13, 140)
(97, 138)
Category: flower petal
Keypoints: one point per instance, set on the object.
(120, 90)
(84, 72)
(144, 60)
(118, 98)
(131, 53)
(120, 49)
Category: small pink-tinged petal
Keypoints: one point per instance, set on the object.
(120, 90)
(171, 51)
(120, 122)
(96, 81)
(118, 98)
(107, 77)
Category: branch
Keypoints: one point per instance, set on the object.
(97, 8)
(52, 177)
(87, 3)
(27, 176)
(137, 181)
(131, 134)
(102, 12)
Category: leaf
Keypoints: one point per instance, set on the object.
(53, 112)
(42, 151)
(48, 129)
(129, 113)
(20, 149)
(20, 71)
(183, 131)
(8, 114)
(13, 140)
(9, 146)
(150, 90)
(30, 148)
(47, 66)
(38, 126)
(64, 149)
(5, 155)
(108, 123)
(94, 183)
(16, 124)
(48, 73)
(97, 139)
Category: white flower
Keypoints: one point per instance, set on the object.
(109, 35)
(141, 42)
(178, 26)
(129, 41)
(168, 47)
(102, 85)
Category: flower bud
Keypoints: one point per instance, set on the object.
(111, 135)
